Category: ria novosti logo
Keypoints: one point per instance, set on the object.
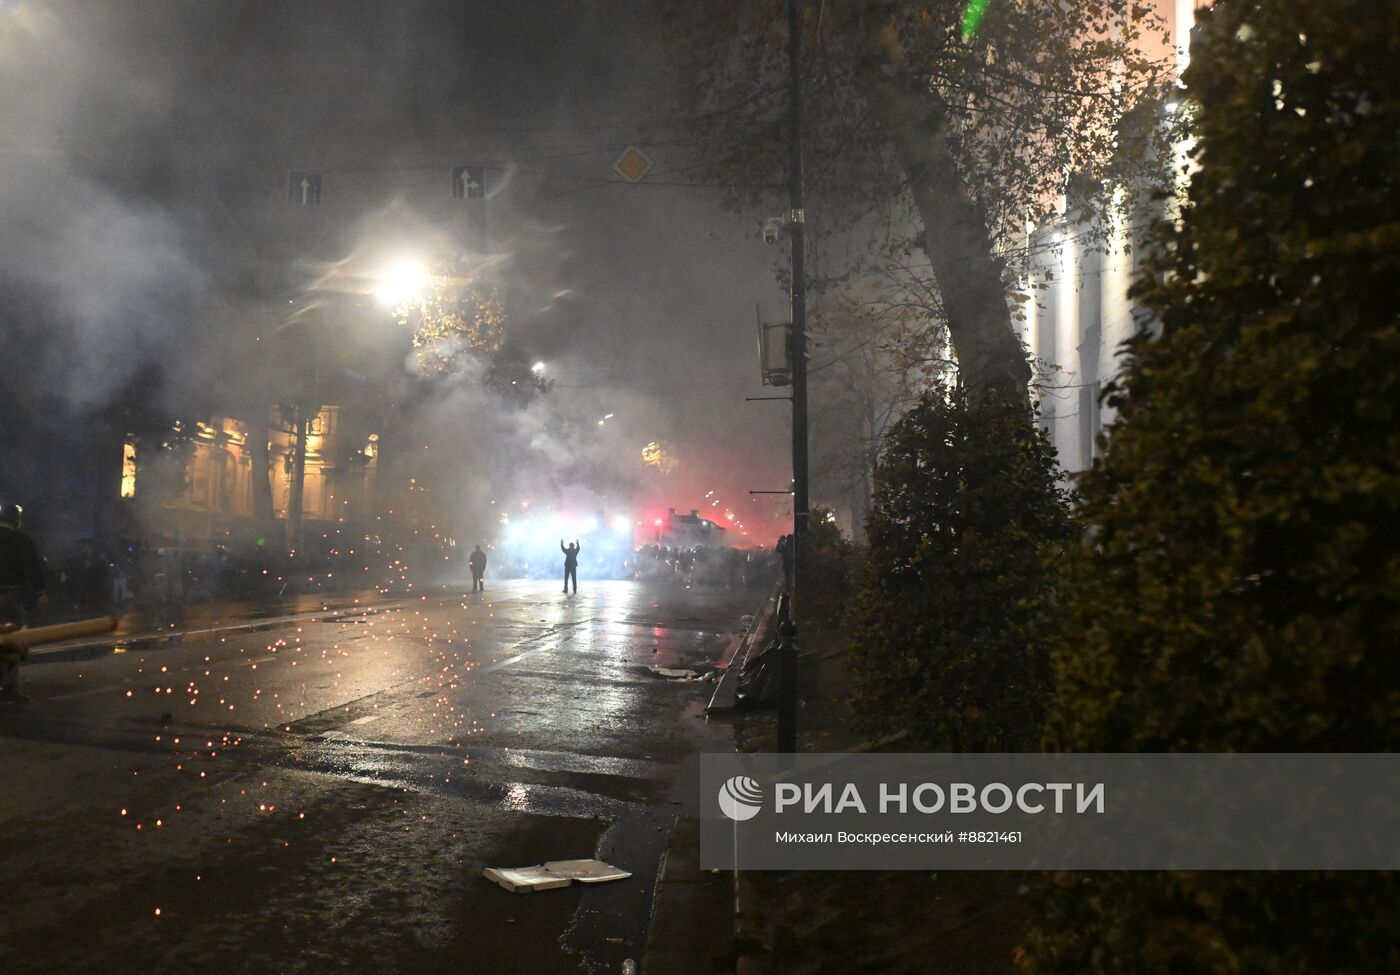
(740, 798)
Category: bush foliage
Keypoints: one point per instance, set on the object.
(940, 631)
(1239, 589)
(828, 570)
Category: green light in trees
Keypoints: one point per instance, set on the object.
(972, 18)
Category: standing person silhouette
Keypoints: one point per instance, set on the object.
(478, 567)
(570, 564)
(21, 588)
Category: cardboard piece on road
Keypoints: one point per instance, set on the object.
(554, 874)
(586, 871)
(674, 673)
(523, 880)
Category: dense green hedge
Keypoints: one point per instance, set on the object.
(1239, 589)
(940, 631)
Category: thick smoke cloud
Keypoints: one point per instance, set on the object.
(100, 281)
(149, 255)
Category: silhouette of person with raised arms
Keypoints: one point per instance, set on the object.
(570, 564)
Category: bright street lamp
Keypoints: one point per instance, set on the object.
(401, 283)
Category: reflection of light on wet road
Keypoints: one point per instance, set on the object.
(610, 703)
(517, 797)
(433, 704)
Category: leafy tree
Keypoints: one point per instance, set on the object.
(829, 572)
(454, 319)
(862, 379)
(925, 130)
(459, 329)
(1240, 585)
(966, 500)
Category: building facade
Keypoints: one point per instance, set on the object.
(196, 487)
(1078, 314)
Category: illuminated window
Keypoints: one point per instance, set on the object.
(128, 470)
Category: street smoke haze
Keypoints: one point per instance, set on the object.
(100, 280)
(153, 266)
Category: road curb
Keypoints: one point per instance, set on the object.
(683, 937)
(158, 636)
(692, 927)
(724, 698)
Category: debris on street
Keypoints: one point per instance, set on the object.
(674, 673)
(758, 681)
(552, 875)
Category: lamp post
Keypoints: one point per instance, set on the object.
(398, 284)
(787, 681)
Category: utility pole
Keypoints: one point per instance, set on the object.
(787, 687)
(300, 425)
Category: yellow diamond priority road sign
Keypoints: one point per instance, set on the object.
(633, 164)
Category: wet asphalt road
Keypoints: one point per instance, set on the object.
(322, 793)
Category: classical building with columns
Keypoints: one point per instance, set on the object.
(1077, 314)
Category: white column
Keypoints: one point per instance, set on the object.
(1066, 356)
(1116, 315)
(1030, 331)
(1184, 17)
